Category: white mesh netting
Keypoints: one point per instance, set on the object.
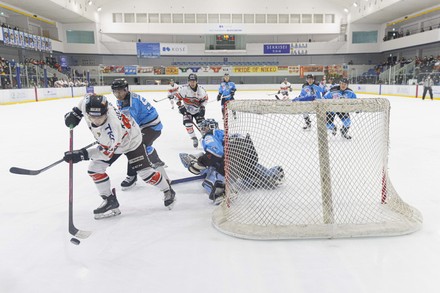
(285, 182)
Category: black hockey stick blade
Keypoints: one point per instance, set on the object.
(159, 100)
(22, 171)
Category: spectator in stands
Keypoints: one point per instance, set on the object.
(427, 86)
(407, 32)
(54, 79)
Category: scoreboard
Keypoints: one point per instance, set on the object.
(225, 42)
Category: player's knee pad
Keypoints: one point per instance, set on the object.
(187, 120)
(98, 177)
(150, 176)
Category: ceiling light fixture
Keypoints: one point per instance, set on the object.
(355, 4)
(346, 10)
(90, 2)
(99, 9)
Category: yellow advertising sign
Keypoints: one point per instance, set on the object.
(253, 69)
(172, 71)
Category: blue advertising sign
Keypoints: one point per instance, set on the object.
(148, 50)
(277, 49)
(130, 70)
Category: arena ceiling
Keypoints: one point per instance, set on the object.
(55, 10)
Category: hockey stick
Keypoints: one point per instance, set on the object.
(276, 96)
(21, 171)
(187, 179)
(160, 100)
(72, 229)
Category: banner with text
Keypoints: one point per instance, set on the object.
(250, 69)
(276, 49)
(148, 50)
(173, 49)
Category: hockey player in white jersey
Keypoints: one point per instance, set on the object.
(192, 99)
(172, 91)
(116, 134)
(285, 88)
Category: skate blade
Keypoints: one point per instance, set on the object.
(218, 200)
(108, 214)
(170, 206)
(128, 187)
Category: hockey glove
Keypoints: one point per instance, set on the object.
(219, 97)
(72, 118)
(182, 110)
(195, 168)
(76, 156)
(202, 111)
(279, 92)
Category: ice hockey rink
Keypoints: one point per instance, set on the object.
(151, 249)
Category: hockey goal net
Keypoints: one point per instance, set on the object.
(286, 182)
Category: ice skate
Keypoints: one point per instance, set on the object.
(108, 208)
(169, 198)
(218, 199)
(308, 123)
(129, 182)
(307, 126)
(344, 133)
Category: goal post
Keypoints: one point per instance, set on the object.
(286, 182)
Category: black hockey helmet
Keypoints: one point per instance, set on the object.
(192, 76)
(344, 80)
(96, 105)
(119, 83)
(310, 76)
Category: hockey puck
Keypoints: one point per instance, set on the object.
(75, 241)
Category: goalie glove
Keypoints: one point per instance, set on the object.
(195, 168)
(219, 97)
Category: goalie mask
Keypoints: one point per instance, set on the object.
(207, 126)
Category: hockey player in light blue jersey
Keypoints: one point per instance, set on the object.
(147, 118)
(212, 163)
(341, 91)
(309, 92)
(226, 92)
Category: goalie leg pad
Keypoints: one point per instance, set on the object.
(214, 184)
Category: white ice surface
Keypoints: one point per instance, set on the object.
(151, 249)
